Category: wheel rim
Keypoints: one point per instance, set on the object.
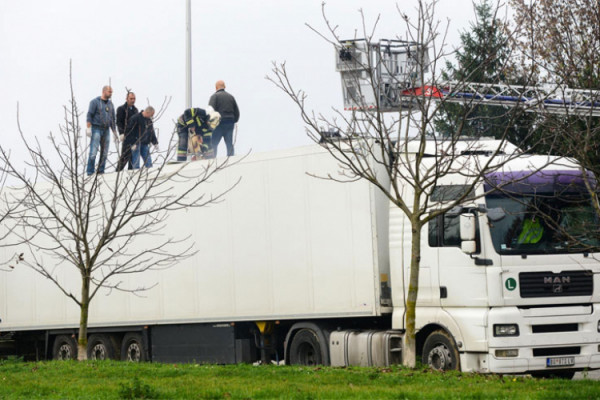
(134, 352)
(98, 352)
(439, 358)
(64, 352)
(307, 354)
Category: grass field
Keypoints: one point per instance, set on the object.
(119, 380)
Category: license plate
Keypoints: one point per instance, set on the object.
(560, 361)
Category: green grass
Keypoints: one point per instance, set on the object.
(119, 380)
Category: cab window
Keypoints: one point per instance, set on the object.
(444, 231)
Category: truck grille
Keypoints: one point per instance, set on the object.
(548, 284)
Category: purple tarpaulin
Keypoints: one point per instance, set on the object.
(548, 181)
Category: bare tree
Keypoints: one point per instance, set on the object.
(390, 117)
(5, 214)
(103, 227)
(559, 41)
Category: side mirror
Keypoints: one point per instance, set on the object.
(467, 226)
(468, 233)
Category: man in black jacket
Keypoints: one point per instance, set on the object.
(139, 133)
(124, 113)
(225, 104)
(147, 135)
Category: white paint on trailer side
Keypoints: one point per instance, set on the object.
(282, 244)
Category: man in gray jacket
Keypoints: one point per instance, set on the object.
(100, 118)
(225, 104)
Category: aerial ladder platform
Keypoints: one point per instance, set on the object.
(386, 76)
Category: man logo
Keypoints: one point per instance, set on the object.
(556, 279)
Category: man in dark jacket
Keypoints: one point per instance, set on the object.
(139, 129)
(147, 135)
(124, 113)
(225, 104)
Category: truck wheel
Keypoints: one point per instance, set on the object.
(101, 347)
(64, 348)
(305, 348)
(554, 374)
(440, 352)
(133, 348)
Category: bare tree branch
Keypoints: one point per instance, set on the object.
(61, 221)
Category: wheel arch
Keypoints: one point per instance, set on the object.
(424, 332)
(320, 330)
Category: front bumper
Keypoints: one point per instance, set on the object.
(568, 335)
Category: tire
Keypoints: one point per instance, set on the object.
(554, 374)
(306, 348)
(440, 352)
(64, 348)
(102, 347)
(132, 348)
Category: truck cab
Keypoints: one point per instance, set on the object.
(508, 280)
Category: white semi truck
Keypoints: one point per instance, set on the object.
(310, 271)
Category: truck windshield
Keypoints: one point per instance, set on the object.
(542, 224)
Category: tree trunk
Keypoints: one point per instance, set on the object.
(410, 344)
(83, 320)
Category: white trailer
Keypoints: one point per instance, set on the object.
(310, 271)
(283, 247)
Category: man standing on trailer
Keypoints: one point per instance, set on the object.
(100, 117)
(147, 135)
(124, 113)
(139, 130)
(225, 104)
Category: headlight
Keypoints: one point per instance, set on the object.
(506, 330)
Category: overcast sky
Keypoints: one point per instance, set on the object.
(141, 45)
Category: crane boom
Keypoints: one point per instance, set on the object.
(544, 98)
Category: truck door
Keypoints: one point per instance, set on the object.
(429, 292)
(462, 278)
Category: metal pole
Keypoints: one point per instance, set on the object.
(188, 54)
